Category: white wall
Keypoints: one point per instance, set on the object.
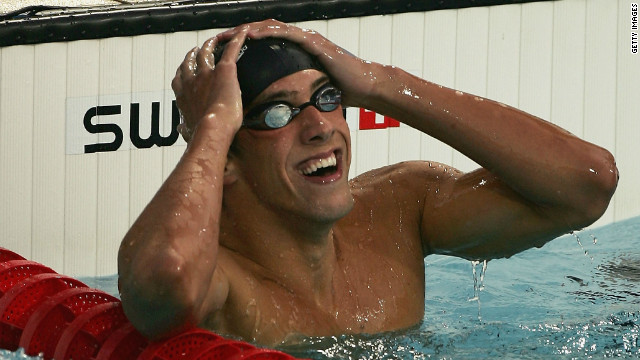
(567, 61)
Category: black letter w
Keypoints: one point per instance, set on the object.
(154, 137)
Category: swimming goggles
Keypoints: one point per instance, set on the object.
(276, 114)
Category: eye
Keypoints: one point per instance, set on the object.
(277, 116)
(328, 99)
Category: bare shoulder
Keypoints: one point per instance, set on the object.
(413, 179)
(389, 205)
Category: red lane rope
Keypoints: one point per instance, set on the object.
(19, 304)
(56, 316)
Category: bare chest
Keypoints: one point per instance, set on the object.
(381, 296)
(370, 293)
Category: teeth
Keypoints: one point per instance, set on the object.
(319, 164)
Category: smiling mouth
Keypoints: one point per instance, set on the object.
(320, 167)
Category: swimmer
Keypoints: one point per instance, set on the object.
(258, 233)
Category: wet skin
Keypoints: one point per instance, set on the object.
(240, 241)
(363, 274)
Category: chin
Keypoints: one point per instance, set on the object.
(336, 211)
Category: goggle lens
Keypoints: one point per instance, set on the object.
(329, 99)
(278, 114)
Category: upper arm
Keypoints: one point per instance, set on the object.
(476, 216)
(471, 215)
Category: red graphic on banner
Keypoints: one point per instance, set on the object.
(368, 121)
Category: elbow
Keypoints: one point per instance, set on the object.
(156, 321)
(156, 299)
(601, 184)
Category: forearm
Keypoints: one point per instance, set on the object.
(167, 259)
(545, 164)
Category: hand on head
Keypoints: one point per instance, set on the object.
(352, 75)
(206, 92)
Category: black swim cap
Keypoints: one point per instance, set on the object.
(262, 62)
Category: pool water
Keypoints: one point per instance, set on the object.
(577, 297)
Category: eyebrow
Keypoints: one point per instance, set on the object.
(283, 94)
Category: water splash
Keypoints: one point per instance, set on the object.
(586, 252)
(478, 283)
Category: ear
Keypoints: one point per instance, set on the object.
(230, 170)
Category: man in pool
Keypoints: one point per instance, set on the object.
(258, 233)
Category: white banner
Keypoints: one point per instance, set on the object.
(121, 122)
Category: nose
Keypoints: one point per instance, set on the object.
(317, 126)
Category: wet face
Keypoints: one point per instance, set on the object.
(302, 167)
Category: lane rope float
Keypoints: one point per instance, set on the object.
(58, 317)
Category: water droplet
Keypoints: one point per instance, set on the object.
(586, 252)
(478, 283)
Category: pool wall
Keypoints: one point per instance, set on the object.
(73, 176)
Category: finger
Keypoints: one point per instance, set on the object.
(307, 39)
(205, 58)
(233, 46)
(269, 28)
(189, 54)
(188, 66)
(230, 33)
(226, 35)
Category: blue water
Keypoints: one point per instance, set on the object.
(577, 297)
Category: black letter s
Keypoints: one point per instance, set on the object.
(103, 128)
